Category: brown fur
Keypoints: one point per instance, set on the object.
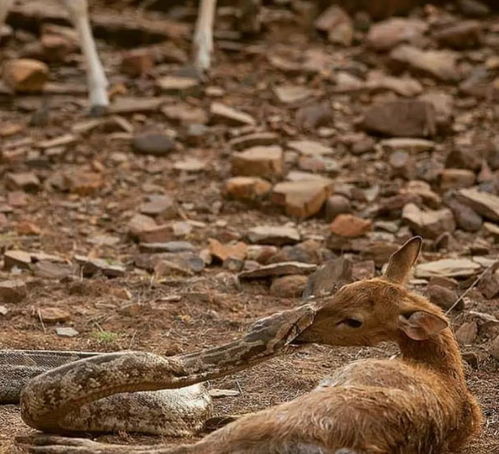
(417, 404)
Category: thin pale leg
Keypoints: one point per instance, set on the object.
(4, 10)
(97, 81)
(203, 35)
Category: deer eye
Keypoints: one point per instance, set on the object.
(351, 322)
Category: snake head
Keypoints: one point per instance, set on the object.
(282, 328)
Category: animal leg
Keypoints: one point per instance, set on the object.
(203, 35)
(97, 81)
(4, 10)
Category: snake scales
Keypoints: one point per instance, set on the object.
(64, 392)
(135, 391)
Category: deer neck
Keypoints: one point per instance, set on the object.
(440, 353)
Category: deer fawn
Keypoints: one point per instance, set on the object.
(416, 404)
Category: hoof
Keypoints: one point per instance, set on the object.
(98, 111)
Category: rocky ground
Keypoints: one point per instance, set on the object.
(163, 225)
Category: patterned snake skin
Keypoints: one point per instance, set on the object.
(63, 392)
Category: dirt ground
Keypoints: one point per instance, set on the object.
(88, 188)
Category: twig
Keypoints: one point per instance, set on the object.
(41, 320)
(472, 286)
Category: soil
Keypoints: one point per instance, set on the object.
(174, 313)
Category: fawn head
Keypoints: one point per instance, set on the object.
(380, 309)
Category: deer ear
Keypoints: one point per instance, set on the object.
(421, 325)
(401, 261)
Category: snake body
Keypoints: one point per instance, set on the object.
(63, 392)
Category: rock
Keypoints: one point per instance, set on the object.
(185, 263)
(225, 114)
(402, 164)
(306, 252)
(348, 83)
(363, 145)
(278, 269)
(157, 234)
(491, 229)
(275, 235)
(483, 203)
(254, 140)
(27, 181)
(443, 297)
(190, 165)
(224, 251)
(350, 226)
(247, 188)
(404, 118)
(379, 251)
(66, 331)
(466, 218)
(140, 223)
(83, 183)
(53, 315)
(456, 179)
(12, 291)
(429, 224)
(3, 310)
(259, 161)
(217, 393)
(185, 114)
(25, 75)
(463, 158)
(302, 198)
(127, 105)
(329, 278)
(473, 8)
(310, 148)
(423, 190)
(494, 348)
(443, 103)
(169, 246)
(57, 46)
(314, 115)
(28, 228)
(440, 64)
(407, 144)
(489, 285)
(363, 270)
(158, 204)
(261, 254)
(389, 33)
(288, 286)
(467, 333)
(15, 258)
(290, 94)
(337, 24)
(181, 228)
(178, 85)
(403, 86)
(156, 144)
(90, 266)
(50, 270)
(137, 62)
(335, 205)
(462, 35)
(447, 268)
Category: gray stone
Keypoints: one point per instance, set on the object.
(156, 144)
(403, 118)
